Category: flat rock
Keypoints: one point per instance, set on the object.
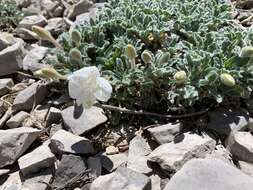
(209, 174)
(11, 58)
(14, 142)
(223, 120)
(172, 156)
(29, 21)
(81, 7)
(165, 133)
(78, 121)
(69, 167)
(5, 85)
(240, 145)
(17, 119)
(38, 159)
(65, 142)
(123, 179)
(31, 96)
(138, 155)
(112, 162)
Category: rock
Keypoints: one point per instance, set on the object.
(5, 117)
(17, 119)
(138, 155)
(95, 165)
(54, 128)
(13, 182)
(69, 167)
(31, 96)
(165, 133)
(220, 152)
(240, 145)
(14, 142)
(112, 162)
(65, 142)
(26, 34)
(209, 174)
(11, 59)
(7, 39)
(29, 21)
(38, 181)
(246, 168)
(155, 182)
(38, 159)
(56, 26)
(4, 172)
(172, 156)
(32, 59)
(5, 85)
(54, 116)
(79, 122)
(123, 179)
(81, 7)
(223, 121)
(23, 3)
(110, 150)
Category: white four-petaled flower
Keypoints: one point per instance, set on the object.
(86, 85)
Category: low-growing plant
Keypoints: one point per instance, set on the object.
(10, 15)
(159, 54)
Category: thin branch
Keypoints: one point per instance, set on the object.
(128, 111)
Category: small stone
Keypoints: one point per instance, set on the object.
(246, 168)
(95, 165)
(240, 145)
(38, 159)
(5, 85)
(165, 133)
(172, 156)
(14, 142)
(123, 179)
(69, 167)
(81, 7)
(112, 162)
(17, 119)
(29, 21)
(31, 96)
(209, 174)
(78, 121)
(65, 142)
(110, 150)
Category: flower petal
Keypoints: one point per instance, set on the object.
(104, 91)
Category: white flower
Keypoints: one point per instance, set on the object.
(86, 85)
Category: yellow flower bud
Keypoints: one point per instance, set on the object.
(75, 55)
(146, 57)
(76, 37)
(50, 73)
(45, 35)
(227, 80)
(247, 51)
(130, 52)
(180, 77)
(164, 58)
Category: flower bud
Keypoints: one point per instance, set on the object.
(130, 52)
(164, 58)
(75, 55)
(227, 80)
(146, 57)
(180, 77)
(76, 37)
(247, 51)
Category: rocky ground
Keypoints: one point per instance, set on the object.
(47, 143)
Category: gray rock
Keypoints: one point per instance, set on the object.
(13, 182)
(14, 142)
(138, 155)
(81, 7)
(5, 85)
(31, 96)
(69, 167)
(165, 133)
(209, 174)
(112, 162)
(26, 34)
(7, 39)
(54, 128)
(11, 59)
(56, 26)
(54, 116)
(17, 119)
(172, 156)
(4, 172)
(65, 142)
(38, 159)
(240, 145)
(32, 59)
(79, 121)
(220, 152)
(225, 120)
(246, 168)
(29, 21)
(95, 165)
(23, 3)
(123, 179)
(5, 117)
(38, 181)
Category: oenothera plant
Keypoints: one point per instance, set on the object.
(158, 54)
